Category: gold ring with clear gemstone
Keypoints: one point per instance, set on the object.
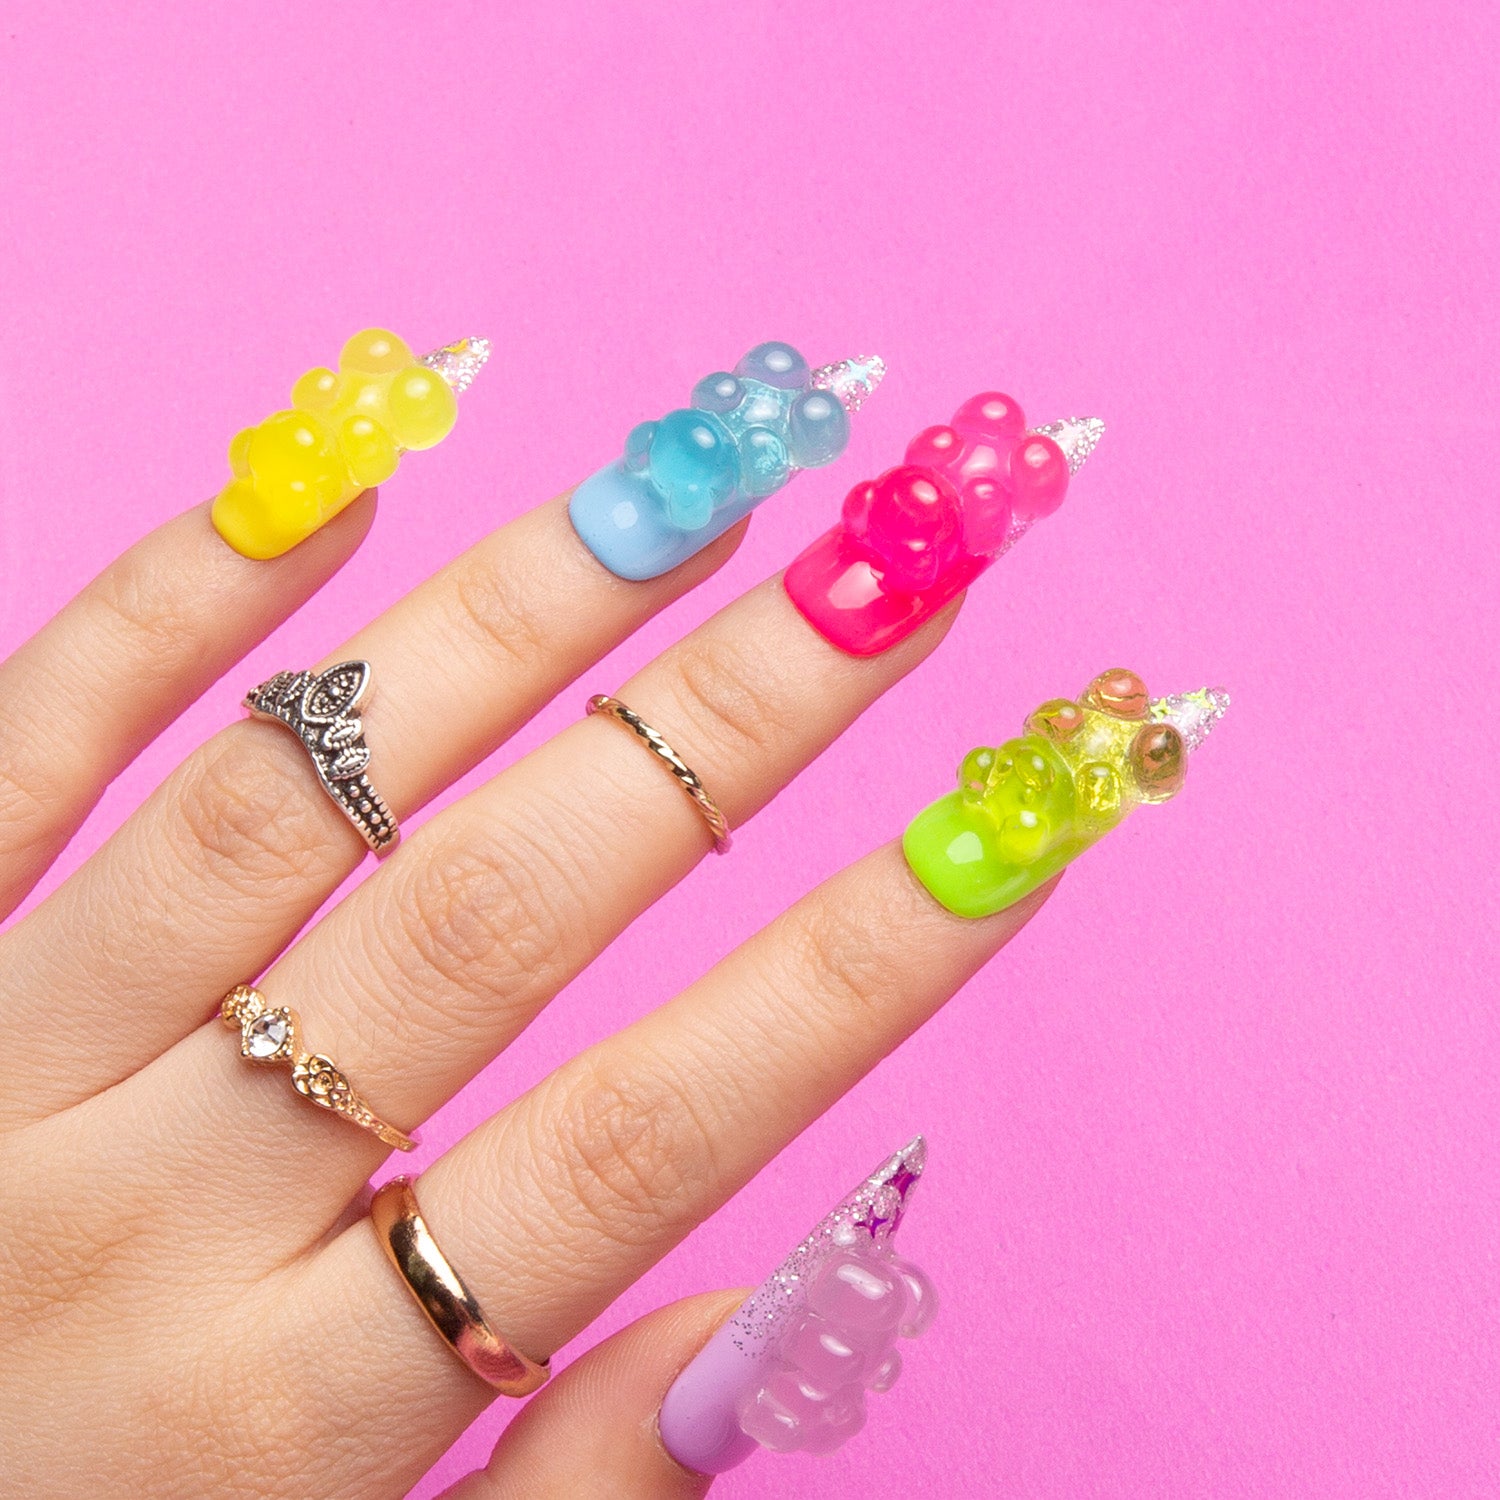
(270, 1036)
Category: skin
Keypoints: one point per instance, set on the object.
(191, 1301)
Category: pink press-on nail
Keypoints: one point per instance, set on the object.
(925, 530)
(791, 1369)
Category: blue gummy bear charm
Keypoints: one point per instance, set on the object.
(764, 464)
(686, 479)
(718, 393)
(693, 462)
(775, 364)
(819, 429)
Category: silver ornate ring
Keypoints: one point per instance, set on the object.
(320, 711)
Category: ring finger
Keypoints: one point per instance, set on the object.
(555, 1206)
(426, 971)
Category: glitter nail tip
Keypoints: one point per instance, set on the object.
(1193, 715)
(1076, 436)
(791, 1369)
(458, 363)
(853, 381)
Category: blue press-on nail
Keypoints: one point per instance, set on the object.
(687, 478)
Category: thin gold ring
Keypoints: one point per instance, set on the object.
(687, 778)
(441, 1293)
(271, 1035)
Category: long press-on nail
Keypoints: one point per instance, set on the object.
(1028, 807)
(791, 1368)
(345, 432)
(924, 531)
(687, 477)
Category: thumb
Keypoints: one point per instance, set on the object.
(592, 1431)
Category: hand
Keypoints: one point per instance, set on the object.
(192, 1301)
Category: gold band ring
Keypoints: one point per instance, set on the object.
(441, 1294)
(271, 1035)
(687, 778)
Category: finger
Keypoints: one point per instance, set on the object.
(624, 1149)
(237, 850)
(556, 1205)
(592, 1431)
(437, 682)
(427, 970)
(117, 664)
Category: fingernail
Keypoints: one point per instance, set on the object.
(910, 540)
(1025, 809)
(345, 433)
(791, 1370)
(687, 477)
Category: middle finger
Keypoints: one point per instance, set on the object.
(426, 971)
(237, 850)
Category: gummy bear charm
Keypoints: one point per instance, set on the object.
(345, 432)
(1025, 809)
(791, 1369)
(687, 477)
(924, 531)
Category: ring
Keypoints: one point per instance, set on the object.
(687, 778)
(320, 712)
(441, 1294)
(270, 1035)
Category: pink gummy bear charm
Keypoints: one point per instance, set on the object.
(924, 531)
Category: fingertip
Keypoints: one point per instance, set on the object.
(593, 1430)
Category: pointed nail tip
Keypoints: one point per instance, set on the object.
(1193, 714)
(459, 362)
(853, 381)
(1076, 436)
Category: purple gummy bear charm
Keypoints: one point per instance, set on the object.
(790, 1370)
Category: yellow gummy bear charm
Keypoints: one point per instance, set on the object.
(345, 432)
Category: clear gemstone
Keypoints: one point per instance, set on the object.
(266, 1036)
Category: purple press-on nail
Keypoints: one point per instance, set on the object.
(790, 1369)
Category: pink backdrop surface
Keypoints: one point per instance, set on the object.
(1216, 1144)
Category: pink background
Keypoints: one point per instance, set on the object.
(1214, 1195)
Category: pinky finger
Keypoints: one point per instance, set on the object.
(592, 1431)
(118, 663)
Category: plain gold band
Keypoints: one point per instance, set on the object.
(441, 1294)
(314, 1076)
(687, 778)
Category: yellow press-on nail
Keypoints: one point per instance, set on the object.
(345, 431)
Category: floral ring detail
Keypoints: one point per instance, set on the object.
(270, 1036)
(320, 710)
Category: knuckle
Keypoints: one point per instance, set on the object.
(833, 954)
(720, 682)
(144, 603)
(28, 804)
(253, 814)
(483, 917)
(492, 609)
(627, 1153)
